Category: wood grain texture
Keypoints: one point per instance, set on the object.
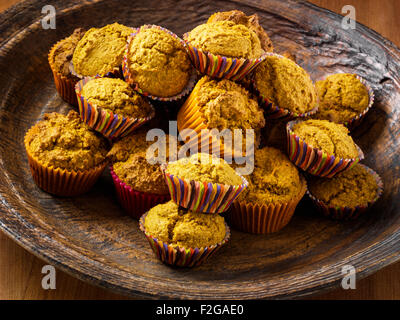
(82, 290)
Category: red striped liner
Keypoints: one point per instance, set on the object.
(179, 256)
(109, 124)
(313, 160)
(201, 196)
(128, 76)
(135, 203)
(348, 213)
(218, 66)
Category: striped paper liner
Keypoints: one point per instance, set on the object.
(62, 182)
(179, 256)
(218, 66)
(202, 196)
(109, 124)
(313, 160)
(348, 213)
(263, 219)
(128, 76)
(134, 202)
(273, 111)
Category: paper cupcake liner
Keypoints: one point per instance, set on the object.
(273, 111)
(179, 256)
(201, 196)
(128, 76)
(65, 86)
(109, 124)
(135, 202)
(263, 219)
(348, 213)
(218, 66)
(62, 182)
(313, 160)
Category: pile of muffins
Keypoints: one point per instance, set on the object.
(224, 74)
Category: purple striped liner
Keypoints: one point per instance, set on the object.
(128, 76)
(202, 196)
(218, 66)
(109, 124)
(313, 160)
(272, 111)
(348, 213)
(179, 256)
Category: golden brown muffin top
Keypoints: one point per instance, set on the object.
(117, 96)
(330, 137)
(204, 167)
(63, 53)
(158, 63)
(351, 188)
(188, 229)
(275, 179)
(250, 22)
(64, 141)
(341, 97)
(131, 164)
(226, 38)
(101, 50)
(286, 84)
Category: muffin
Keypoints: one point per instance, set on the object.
(224, 49)
(285, 89)
(183, 238)
(203, 183)
(347, 195)
(342, 98)
(59, 58)
(101, 50)
(251, 22)
(157, 63)
(322, 147)
(275, 188)
(221, 104)
(111, 106)
(65, 156)
(138, 179)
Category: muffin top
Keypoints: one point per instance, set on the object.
(132, 167)
(101, 50)
(274, 179)
(341, 97)
(226, 38)
(250, 22)
(178, 227)
(63, 53)
(203, 167)
(64, 141)
(158, 63)
(117, 96)
(330, 137)
(351, 188)
(286, 84)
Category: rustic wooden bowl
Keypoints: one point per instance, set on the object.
(91, 238)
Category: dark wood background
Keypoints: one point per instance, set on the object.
(20, 271)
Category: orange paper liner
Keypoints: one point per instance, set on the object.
(263, 219)
(62, 182)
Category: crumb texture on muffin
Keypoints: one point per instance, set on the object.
(158, 63)
(330, 137)
(175, 226)
(117, 96)
(64, 141)
(354, 187)
(286, 84)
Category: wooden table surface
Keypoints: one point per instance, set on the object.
(20, 271)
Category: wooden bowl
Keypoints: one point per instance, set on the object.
(90, 237)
